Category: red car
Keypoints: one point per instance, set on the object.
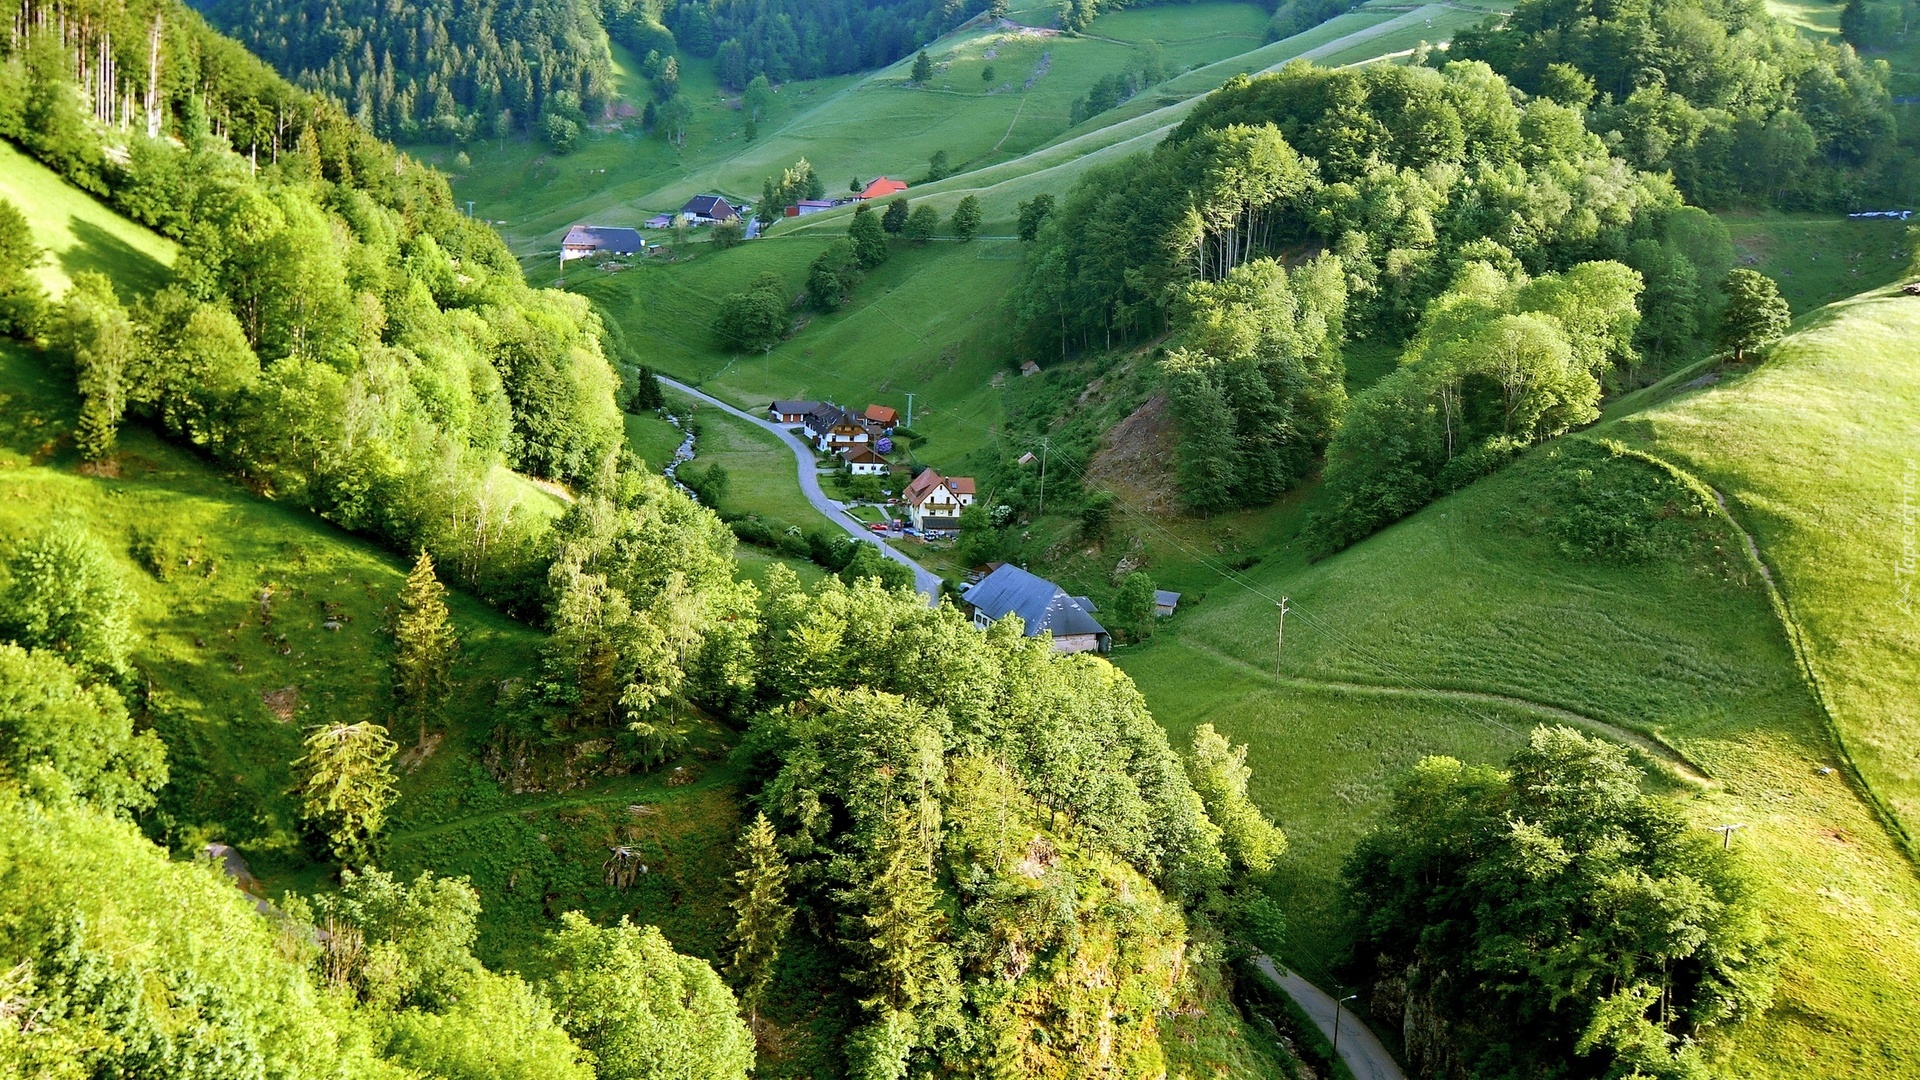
(880, 527)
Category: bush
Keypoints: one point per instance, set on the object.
(1612, 505)
(755, 320)
(63, 594)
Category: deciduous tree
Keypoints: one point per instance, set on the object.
(1756, 314)
(966, 217)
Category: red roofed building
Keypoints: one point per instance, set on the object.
(883, 187)
(884, 415)
(934, 502)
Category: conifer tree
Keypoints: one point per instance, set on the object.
(899, 933)
(424, 646)
(761, 913)
(346, 786)
(922, 67)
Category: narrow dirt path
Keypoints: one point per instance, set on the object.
(1682, 768)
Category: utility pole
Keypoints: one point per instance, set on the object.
(909, 412)
(1726, 834)
(1336, 1024)
(1043, 477)
(469, 207)
(1280, 635)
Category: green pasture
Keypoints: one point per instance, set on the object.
(1817, 451)
(1457, 629)
(78, 232)
(652, 439)
(760, 469)
(846, 126)
(926, 321)
(1818, 259)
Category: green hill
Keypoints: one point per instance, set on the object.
(1458, 629)
(1816, 453)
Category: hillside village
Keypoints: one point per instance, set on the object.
(846, 539)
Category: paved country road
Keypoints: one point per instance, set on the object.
(1358, 1047)
(924, 580)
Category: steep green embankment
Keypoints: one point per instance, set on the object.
(1454, 630)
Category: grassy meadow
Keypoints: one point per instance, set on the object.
(1456, 630)
(79, 233)
(760, 468)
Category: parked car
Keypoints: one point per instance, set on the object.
(879, 527)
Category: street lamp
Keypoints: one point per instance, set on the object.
(1336, 1023)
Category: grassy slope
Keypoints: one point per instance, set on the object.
(760, 469)
(1465, 597)
(79, 233)
(235, 684)
(1818, 259)
(1818, 453)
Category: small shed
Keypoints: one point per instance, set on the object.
(660, 221)
(1165, 602)
(1029, 368)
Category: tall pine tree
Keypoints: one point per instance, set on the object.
(761, 914)
(424, 647)
(899, 935)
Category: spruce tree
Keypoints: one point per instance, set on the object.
(899, 932)
(761, 914)
(922, 67)
(424, 646)
(346, 786)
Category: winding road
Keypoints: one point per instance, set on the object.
(924, 580)
(1359, 1048)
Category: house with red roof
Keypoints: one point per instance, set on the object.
(882, 188)
(934, 502)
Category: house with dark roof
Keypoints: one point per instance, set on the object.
(586, 241)
(834, 429)
(791, 412)
(1041, 606)
(1165, 602)
(809, 206)
(882, 188)
(708, 209)
(934, 502)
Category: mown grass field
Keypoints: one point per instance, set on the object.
(79, 233)
(847, 126)
(760, 468)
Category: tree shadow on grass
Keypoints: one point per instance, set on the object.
(134, 272)
(37, 402)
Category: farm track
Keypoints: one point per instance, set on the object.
(1654, 749)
